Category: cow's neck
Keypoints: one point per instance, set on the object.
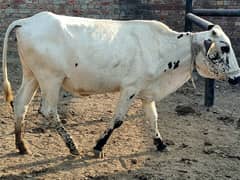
(173, 78)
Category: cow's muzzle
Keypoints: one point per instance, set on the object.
(234, 81)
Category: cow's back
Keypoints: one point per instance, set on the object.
(93, 55)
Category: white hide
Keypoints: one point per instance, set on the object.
(88, 56)
(98, 56)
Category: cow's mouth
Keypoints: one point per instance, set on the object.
(234, 81)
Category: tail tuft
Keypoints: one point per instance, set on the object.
(8, 91)
(6, 84)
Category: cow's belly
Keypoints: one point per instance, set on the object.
(86, 84)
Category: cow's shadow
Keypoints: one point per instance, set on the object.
(10, 155)
(67, 163)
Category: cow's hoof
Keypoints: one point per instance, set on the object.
(22, 147)
(24, 150)
(159, 144)
(74, 152)
(98, 154)
(162, 148)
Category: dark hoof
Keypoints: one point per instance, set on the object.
(98, 154)
(74, 152)
(23, 149)
(162, 148)
(159, 144)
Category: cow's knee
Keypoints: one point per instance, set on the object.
(20, 107)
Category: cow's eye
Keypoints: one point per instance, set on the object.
(225, 49)
(214, 33)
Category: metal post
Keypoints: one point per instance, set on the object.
(209, 83)
(200, 22)
(217, 12)
(188, 9)
(209, 92)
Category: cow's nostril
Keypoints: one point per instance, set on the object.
(234, 81)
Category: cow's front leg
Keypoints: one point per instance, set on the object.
(58, 126)
(151, 114)
(126, 98)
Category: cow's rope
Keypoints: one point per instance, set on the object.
(193, 58)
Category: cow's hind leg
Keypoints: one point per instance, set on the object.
(50, 88)
(23, 98)
(126, 98)
(151, 114)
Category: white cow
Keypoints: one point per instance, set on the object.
(88, 56)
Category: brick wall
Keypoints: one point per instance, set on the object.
(231, 25)
(170, 12)
(15, 9)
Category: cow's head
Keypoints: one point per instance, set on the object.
(216, 58)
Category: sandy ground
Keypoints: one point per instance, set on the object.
(203, 143)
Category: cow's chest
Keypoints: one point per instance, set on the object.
(167, 83)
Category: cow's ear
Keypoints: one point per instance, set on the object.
(207, 44)
(216, 29)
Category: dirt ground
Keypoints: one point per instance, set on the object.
(203, 143)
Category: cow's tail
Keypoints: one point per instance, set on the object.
(6, 84)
